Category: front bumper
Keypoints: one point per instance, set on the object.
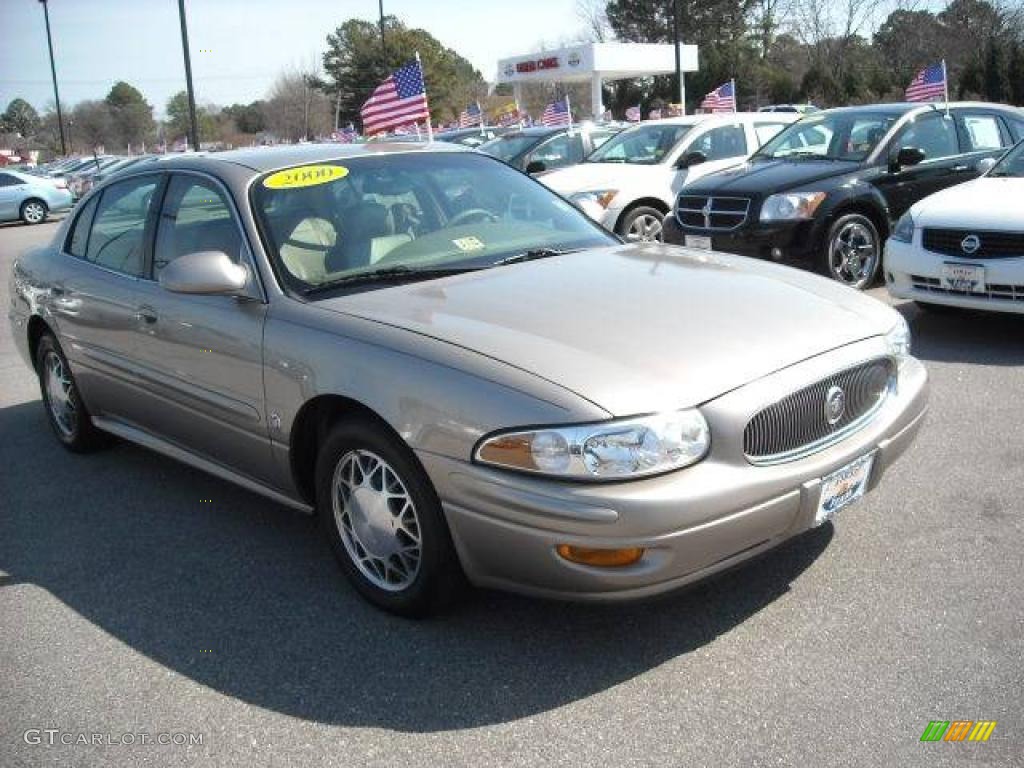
(914, 273)
(692, 523)
(786, 241)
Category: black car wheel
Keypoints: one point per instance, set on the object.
(65, 410)
(384, 521)
(853, 251)
(34, 211)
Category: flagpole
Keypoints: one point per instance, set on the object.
(945, 86)
(430, 127)
(568, 111)
(480, 115)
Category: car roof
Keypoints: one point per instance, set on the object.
(899, 108)
(261, 159)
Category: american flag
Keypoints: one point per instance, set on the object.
(399, 100)
(556, 113)
(471, 116)
(722, 99)
(633, 114)
(929, 84)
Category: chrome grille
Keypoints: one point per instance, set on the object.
(798, 423)
(716, 214)
(991, 245)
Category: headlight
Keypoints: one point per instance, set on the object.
(904, 229)
(898, 340)
(791, 205)
(601, 197)
(609, 450)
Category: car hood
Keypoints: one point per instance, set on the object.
(633, 328)
(593, 177)
(765, 177)
(985, 203)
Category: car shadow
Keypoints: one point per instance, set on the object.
(242, 596)
(961, 336)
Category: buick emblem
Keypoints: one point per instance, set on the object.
(970, 244)
(706, 210)
(835, 405)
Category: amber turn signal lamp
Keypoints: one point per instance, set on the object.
(603, 558)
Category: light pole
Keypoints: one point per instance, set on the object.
(194, 126)
(679, 64)
(53, 71)
(380, 5)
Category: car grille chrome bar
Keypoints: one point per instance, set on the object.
(799, 424)
(991, 245)
(711, 214)
(993, 291)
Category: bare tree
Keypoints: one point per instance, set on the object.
(592, 13)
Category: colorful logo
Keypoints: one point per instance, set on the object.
(958, 730)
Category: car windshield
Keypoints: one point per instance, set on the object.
(509, 146)
(643, 145)
(411, 213)
(1012, 163)
(837, 136)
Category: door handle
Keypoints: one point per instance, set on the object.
(146, 315)
(961, 168)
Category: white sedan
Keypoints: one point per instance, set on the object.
(631, 181)
(964, 247)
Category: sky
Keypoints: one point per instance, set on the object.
(238, 47)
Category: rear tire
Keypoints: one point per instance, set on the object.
(67, 414)
(384, 521)
(34, 211)
(642, 224)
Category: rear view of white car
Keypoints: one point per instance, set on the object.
(630, 182)
(964, 247)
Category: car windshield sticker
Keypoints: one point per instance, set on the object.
(471, 243)
(305, 176)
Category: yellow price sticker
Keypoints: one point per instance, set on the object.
(305, 176)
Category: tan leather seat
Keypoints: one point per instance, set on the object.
(304, 248)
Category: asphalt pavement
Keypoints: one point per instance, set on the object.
(132, 610)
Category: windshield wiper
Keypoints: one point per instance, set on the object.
(533, 254)
(396, 274)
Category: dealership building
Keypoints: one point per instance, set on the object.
(596, 63)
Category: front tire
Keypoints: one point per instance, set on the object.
(65, 410)
(34, 211)
(642, 224)
(384, 521)
(853, 251)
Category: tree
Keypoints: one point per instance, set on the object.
(997, 81)
(92, 124)
(910, 40)
(130, 114)
(178, 119)
(297, 108)
(1016, 72)
(248, 118)
(21, 118)
(355, 64)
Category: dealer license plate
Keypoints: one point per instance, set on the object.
(965, 278)
(698, 241)
(843, 487)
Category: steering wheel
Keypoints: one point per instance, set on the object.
(466, 215)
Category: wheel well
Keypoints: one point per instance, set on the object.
(879, 219)
(310, 428)
(648, 202)
(33, 200)
(37, 327)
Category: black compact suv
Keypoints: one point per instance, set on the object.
(826, 190)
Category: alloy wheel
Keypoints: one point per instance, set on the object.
(645, 228)
(60, 394)
(853, 254)
(377, 520)
(34, 212)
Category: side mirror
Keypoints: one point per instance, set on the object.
(204, 273)
(907, 156)
(690, 159)
(986, 164)
(536, 166)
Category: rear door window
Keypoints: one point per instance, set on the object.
(79, 237)
(721, 143)
(117, 237)
(982, 132)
